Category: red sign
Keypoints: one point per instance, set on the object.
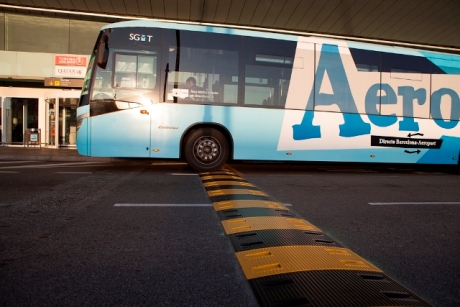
(69, 60)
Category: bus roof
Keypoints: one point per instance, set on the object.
(174, 25)
(450, 58)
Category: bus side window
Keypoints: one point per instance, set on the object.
(284, 86)
(266, 86)
(207, 59)
(268, 67)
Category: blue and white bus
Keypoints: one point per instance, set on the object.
(207, 94)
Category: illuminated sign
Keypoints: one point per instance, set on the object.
(69, 60)
(71, 66)
(59, 82)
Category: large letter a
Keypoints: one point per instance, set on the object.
(330, 65)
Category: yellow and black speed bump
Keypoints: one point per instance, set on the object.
(279, 237)
(290, 262)
(248, 212)
(240, 194)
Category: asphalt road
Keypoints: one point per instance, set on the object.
(137, 234)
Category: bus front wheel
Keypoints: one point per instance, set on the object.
(206, 149)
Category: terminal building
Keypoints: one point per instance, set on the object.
(44, 48)
(42, 65)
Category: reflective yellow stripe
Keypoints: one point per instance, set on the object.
(224, 183)
(265, 222)
(235, 191)
(229, 177)
(238, 204)
(289, 259)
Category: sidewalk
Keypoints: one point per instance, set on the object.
(19, 153)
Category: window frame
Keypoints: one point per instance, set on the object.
(155, 73)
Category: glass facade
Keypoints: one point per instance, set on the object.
(2, 31)
(29, 33)
(82, 35)
(36, 34)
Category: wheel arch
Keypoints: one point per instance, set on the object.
(222, 129)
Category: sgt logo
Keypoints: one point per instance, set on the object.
(140, 37)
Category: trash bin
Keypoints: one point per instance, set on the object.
(33, 137)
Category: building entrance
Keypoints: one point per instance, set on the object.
(52, 111)
(62, 121)
(20, 115)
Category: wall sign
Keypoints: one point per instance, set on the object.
(71, 66)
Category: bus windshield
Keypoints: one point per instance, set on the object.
(127, 76)
(87, 82)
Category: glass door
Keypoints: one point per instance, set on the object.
(67, 121)
(61, 118)
(1, 119)
(22, 115)
(51, 122)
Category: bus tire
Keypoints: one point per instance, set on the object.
(206, 149)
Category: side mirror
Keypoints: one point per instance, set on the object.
(102, 51)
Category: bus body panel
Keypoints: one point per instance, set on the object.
(83, 133)
(124, 133)
(171, 121)
(168, 127)
(257, 134)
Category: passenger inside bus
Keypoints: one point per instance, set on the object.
(283, 94)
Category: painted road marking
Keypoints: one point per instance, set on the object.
(74, 172)
(417, 203)
(183, 174)
(163, 205)
(170, 205)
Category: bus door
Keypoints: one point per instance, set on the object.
(121, 105)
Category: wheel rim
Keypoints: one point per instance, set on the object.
(207, 150)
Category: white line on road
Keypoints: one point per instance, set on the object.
(283, 175)
(162, 205)
(169, 163)
(98, 165)
(170, 205)
(183, 174)
(74, 172)
(417, 203)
